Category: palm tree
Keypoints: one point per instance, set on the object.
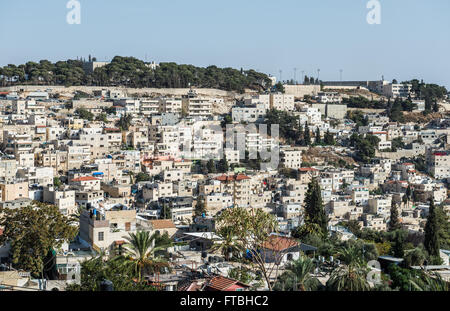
(432, 283)
(308, 229)
(352, 276)
(77, 214)
(141, 250)
(302, 269)
(351, 255)
(227, 246)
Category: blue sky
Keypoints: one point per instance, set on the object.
(412, 41)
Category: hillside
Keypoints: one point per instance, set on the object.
(133, 73)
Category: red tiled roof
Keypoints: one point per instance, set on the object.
(85, 178)
(221, 283)
(279, 243)
(441, 153)
(242, 177)
(238, 177)
(223, 178)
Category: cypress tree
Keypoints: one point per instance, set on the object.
(211, 166)
(431, 232)
(408, 192)
(435, 107)
(300, 134)
(200, 207)
(314, 210)
(394, 223)
(307, 135)
(428, 104)
(318, 139)
(399, 243)
(329, 138)
(223, 165)
(405, 199)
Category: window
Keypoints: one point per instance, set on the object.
(101, 236)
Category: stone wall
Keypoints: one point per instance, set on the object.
(300, 91)
(399, 154)
(128, 91)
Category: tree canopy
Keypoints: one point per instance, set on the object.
(33, 231)
(314, 210)
(132, 72)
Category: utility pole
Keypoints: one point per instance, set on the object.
(303, 77)
(281, 76)
(318, 74)
(340, 73)
(295, 75)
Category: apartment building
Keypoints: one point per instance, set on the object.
(16, 144)
(114, 139)
(329, 97)
(27, 107)
(197, 107)
(339, 209)
(108, 172)
(360, 194)
(291, 157)
(149, 107)
(85, 183)
(107, 230)
(152, 192)
(374, 223)
(394, 90)
(77, 156)
(171, 105)
(232, 156)
(63, 199)
(94, 138)
(239, 186)
(8, 169)
(295, 192)
(130, 106)
(216, 202)
(37, 176)
(331, 110)
(284, 102)
(440, 164)
(13, 189)
(380, 205)
(55, 159)
(263, 99)
(207, 143)
(89, 198)
(291, 210)
(249, 114)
